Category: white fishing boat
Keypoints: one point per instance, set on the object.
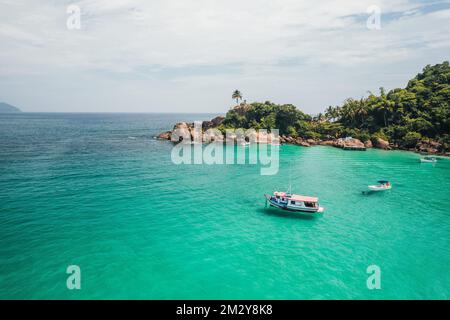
(294, 202)
(382, 186)
(428, 159)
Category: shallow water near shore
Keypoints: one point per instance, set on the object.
(98, 191)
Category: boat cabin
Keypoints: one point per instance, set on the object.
(294, 201)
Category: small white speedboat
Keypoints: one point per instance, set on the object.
(382, 186)
(294, 202)
(428, 160)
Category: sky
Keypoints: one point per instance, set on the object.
(190, 55)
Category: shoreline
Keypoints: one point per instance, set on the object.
(348, 143)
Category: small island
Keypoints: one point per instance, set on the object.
(7, 108)
(415, 118)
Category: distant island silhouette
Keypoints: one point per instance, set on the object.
(7, 108)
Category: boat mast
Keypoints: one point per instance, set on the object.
(290, 182)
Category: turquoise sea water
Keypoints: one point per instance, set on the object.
(96, 190)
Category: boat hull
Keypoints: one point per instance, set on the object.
(378, 188)
(284, 207)
(427, 161)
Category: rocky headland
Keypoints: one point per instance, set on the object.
(424, 146)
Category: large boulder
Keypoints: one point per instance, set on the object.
(349, 143)
(265, 137)
(368, 144)
(428, 146)
(304, 144)
(181, 132)
(207, 125)
(213, 123)
(290, 140)
(339, 143)
(217, 121)
(165, 135)
(353, 143)
(214, 135)
(231, 137)
(327, 143)
(196, 135)
(181, 125)
(381, 144)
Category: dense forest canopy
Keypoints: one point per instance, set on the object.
(402, 116)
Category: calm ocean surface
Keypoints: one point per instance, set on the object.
(98, 191)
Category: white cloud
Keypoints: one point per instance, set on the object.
(155, 48)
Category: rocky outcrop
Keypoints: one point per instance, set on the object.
(381, 144)
(242, 109)
(217, 121)
(290, 140)
(209, 133)
(349, 144)
(297, 141)
(428, 146)
(304, 144)
(182, 132)
(186, 132)
(214, 123)
(263, 137)
(327, 143)
(207, 125)
(182, 126)
(165, 135)
(213, 136)
(368, 144)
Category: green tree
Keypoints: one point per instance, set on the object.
(404, 116)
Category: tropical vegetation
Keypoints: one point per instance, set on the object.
(403, 116)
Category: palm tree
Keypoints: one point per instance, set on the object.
(237, 95)
(384, 105)
(332, 113)
(361, 111)
(348, 112)
(320, 117)
(329, 113)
